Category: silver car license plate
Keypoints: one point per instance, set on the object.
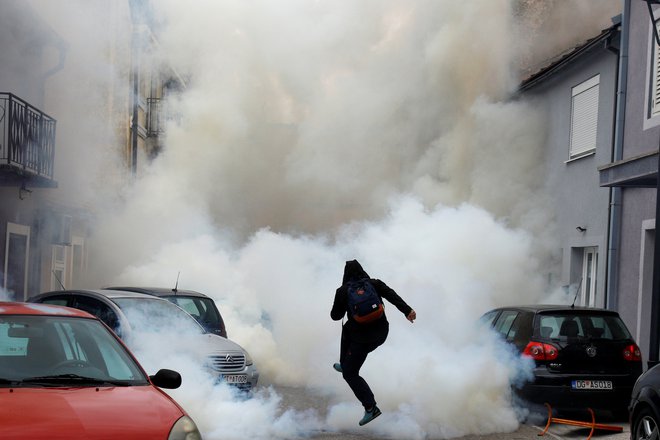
(592, 385)
(235, 378)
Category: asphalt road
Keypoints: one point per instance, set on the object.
(526, 432)
(299, 399)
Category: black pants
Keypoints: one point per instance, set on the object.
(352, 357)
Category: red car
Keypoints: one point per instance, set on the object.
(65, 375)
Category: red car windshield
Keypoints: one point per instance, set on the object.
(43, 350)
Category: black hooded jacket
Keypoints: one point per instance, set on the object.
(365, 333)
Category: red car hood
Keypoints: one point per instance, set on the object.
(137, 412)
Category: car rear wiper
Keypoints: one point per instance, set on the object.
(69, 378)
(4, 381)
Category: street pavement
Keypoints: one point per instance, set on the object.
(526, 432)
(299, 399)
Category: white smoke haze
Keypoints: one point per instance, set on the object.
(177, 346)
(84, 94)
(312, 133)
(551, 27)
(334, 122)
(435, 376)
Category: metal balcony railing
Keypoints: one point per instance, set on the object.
(27, 138)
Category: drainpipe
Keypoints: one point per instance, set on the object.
(136, 8)
(135, 92)
(614, 224)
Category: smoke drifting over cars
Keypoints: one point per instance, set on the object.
(311, 133)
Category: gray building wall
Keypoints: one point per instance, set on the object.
(579, 201)
(641, 134)
(641, 137)
(635, 264)
(25, 48)
(31, 53)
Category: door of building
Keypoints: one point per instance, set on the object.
(589, 276)
(17, 248)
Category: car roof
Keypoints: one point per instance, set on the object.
(536, 308)
(21, 308)
(159, 291)
(99, 293)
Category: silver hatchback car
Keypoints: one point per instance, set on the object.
(129, 313)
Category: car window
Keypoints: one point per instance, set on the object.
(157, 315)
(549, 326)
(36, 346)
(99, 309)
(57, 301)
(488, 317)
(202, 309)
(580, 325)
(521, 330)
(191, 305)
(72, 347)
(505, 322)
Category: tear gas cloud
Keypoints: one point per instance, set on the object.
(549, 27)
(83, 91)
(311, 133)
(292, 279)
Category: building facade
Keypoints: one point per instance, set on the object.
(603, 104)
(577, 92)
(77, 118)
(633, 171)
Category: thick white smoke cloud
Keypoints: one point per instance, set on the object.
(549, 28)
(432, 378)
(334, 122)
(312, 133)
(85, 93)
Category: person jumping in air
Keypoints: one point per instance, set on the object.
(360, 298)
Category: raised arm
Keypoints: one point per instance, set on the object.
(389, 294)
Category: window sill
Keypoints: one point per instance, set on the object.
(581, 156)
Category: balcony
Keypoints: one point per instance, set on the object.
(27, 144)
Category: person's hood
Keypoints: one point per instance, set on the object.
(353, 271)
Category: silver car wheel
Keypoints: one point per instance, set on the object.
(646, 427)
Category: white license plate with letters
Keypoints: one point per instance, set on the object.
(235, 378)
(592, 385)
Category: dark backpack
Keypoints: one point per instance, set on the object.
(364, 304)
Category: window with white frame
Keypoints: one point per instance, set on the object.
(77, 260)
(16, 268)
(58, 279)
(654, 98)
(589, 273)
(584, 117)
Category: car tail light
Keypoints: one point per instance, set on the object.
(632, 353)
(540, 351)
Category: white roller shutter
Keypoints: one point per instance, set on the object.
(584, 117)
(655, 89)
